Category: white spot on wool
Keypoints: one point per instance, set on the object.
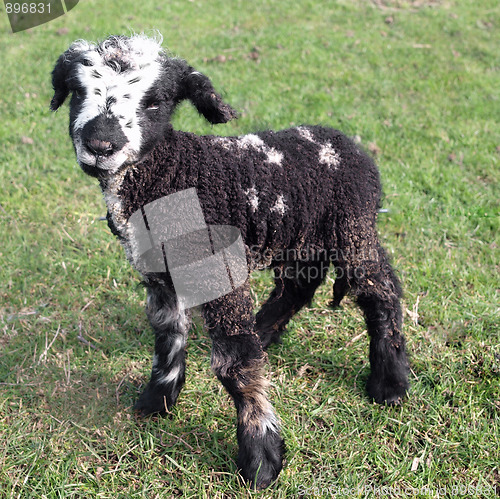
(280, 205)
(176, 347)
(164, 317)
(269, 422)
(170, 376)
(329, 156)
(274, 156)
(253, 198)
(305, 133)
(252, 140)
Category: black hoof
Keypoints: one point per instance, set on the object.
(334, 305)
(260, 458)
(153, 401)
(269, 334)
(387, 393)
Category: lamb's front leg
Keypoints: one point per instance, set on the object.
(170, 325)
(238, 361)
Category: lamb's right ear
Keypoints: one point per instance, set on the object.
(59, 76)
(61, 71)
(198, 88)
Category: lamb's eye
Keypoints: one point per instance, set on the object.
(153, 106)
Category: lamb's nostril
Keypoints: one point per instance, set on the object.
(99, 147)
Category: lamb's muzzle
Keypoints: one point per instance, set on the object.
(102, 136)
(303, 199)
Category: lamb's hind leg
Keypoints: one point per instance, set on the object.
(340, 287)
(170, 325)
(379, 292)
(238, 361)
(295, 284)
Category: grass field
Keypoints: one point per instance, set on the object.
(418, 82)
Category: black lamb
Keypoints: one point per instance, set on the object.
(303, 199)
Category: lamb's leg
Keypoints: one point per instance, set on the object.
(379, 293)
(170, 325)
(295, 284)
(340, 287)
(238, 361)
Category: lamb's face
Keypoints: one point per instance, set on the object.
(121, 101)
(124, 91)
(116, 100)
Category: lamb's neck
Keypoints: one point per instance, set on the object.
(110, 186)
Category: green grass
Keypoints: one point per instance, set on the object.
(418, 82)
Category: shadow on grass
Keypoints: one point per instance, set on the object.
(84, 400)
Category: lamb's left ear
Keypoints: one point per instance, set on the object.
(198, 88)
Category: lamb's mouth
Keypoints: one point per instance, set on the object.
(97, 165)
(93, 170)
(101, 167)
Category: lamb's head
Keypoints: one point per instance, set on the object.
(124, 91)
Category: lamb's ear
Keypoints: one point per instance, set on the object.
(61, 71)
(198, 88)
(59, 76)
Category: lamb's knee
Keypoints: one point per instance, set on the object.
(236, 358)
(247, 384)
(162, 308)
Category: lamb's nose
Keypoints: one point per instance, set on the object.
(100, 147)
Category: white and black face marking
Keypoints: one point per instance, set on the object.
(117, 99)
(113, 100)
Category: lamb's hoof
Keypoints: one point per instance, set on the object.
(260, 459)
(387, 393)
(334, 305)
(269, 340)
(151, 402)
(269, 335)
